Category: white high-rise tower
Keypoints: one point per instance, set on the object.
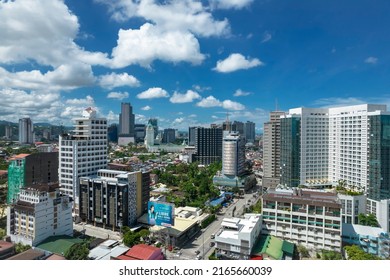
(82, 153)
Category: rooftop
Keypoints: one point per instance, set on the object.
(273, 247)
(311, 197)
(140, 252)
(20, 156)
(58, 244)
(30, 254)
(5, 245)
(350, 229)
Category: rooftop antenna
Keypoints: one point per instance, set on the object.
(276, 104)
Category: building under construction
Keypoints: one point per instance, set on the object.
(30, 169)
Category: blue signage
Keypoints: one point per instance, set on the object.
(161, 214)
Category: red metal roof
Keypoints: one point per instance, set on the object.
(141, 252)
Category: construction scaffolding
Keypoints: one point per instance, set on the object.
(16, 176)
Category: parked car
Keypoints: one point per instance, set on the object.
(197, 252)
(212, 236)
(212, 244)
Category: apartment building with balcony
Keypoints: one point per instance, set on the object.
(40, 212)
(373, 240)
(82, 153)
(112, 199)
(304, 217)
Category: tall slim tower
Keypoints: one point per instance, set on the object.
(250, 131)
(26, 129)
(233, 155)
(154, 123)
(149, 138)
(126, 125)
(208, 145)
(271, 150)
(82, 153)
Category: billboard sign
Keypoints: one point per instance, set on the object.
(161, 214)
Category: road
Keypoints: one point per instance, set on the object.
(202, 241)
(97, 232)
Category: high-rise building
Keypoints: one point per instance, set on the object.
(126, 125)
(25, 170)
(250, 132)
(191, 136)
(82, 153)
(271, 150)
(154, 123)
(344, 145)
(305, 131)
(239, 127)
(149, 138)
(290, 132)
(114, 198)
(140, 131)
(169, 135)
(26, 131)
(233, 155)
(8, 132)
(112, 133)
(208, 145)
(41, 211)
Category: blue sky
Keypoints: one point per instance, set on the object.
(190, 62)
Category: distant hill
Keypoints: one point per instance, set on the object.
(7, 123)
(43, 124)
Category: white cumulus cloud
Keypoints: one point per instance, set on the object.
(232, 105)
(114, 80)
(64, 77)
(146, 108)
(230, 4)
(143, 46)
(211, 101)
(88, 100)
(187, 97)
(152, 93)
(118, 95)
(240, 92)
(236, 62)
(371, 60)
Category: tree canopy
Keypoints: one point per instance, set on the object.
(368, 220)
(79, 251)
(354, 252)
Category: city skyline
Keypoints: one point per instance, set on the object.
(188, 63)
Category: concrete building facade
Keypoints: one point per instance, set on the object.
(40, 212)
(208, 145)
(26, 131)
(233, 155)
(82, 153)
(113, 199)
(29, 169)
(237, 236)
(309, 218)
(271, 150)
(126, 132)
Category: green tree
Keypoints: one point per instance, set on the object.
(78, 251)
(368, 220)
(19, 248)
(354, 252)
(303, 252)
(331, 255)
(2, 233)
